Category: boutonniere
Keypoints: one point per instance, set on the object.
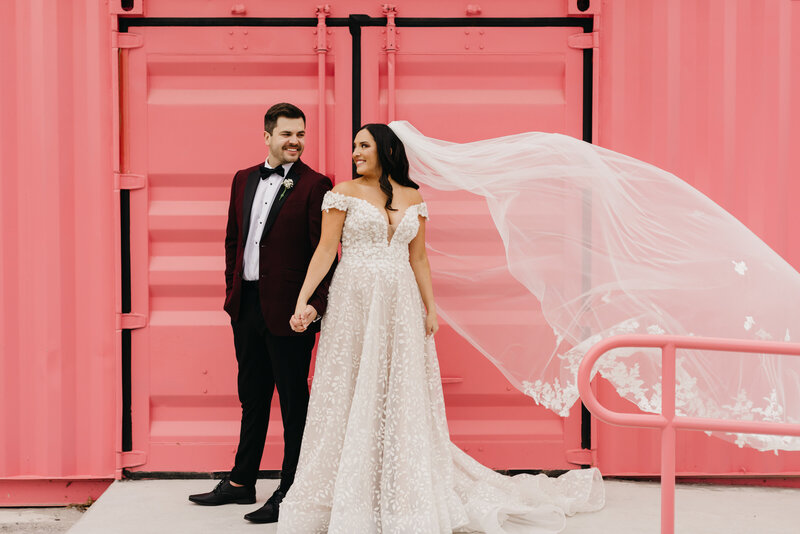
(288, 183)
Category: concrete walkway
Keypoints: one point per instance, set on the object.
(38, 520)
(161, 506)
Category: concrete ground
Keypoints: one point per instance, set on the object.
(161, 506)
(38, 520)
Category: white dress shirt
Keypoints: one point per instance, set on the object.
(266, 192)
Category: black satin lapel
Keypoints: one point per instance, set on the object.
(247, 203)
(281, 197)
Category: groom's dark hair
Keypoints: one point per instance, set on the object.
(284, 109)
(392, 157)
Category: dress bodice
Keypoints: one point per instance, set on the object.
(367, 235)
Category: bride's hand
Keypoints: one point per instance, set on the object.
(431, 324)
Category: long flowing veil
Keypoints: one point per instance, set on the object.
(602, 244)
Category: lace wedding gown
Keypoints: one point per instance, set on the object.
(376, 454)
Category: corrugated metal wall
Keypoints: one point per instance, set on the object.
(57, 274)
(711, 92)
(708, 90)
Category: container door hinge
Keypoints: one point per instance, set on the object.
(580, 456)
(390, 12)
(322, 30)
(584, 40)
(126, 40)
(132, 459)
(129, 181)
(131, 321)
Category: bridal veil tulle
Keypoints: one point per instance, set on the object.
(607, 245)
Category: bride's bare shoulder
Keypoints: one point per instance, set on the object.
(344, 188)
(410, 195)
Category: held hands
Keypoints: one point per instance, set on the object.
(304, 315)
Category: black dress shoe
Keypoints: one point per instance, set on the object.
(226, 493)
(269, 512)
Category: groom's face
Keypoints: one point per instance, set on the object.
(286, 141)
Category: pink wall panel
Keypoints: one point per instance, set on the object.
(711, 92)
(194, 100)
(57, 278)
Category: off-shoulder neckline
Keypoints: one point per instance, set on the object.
(381, 210)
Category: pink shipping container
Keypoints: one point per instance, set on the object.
(122, 122)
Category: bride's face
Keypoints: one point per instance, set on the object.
(365, 154)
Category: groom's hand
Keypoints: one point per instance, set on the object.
(308, 315)
(296, 323)
(302, 318)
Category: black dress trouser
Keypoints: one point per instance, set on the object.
(265, 362)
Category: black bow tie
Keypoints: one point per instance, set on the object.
(266, 172)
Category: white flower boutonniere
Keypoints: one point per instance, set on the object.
(288, 183)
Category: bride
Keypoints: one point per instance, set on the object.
(376, 454)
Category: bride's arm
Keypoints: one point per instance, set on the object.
(321, 261)
(418, 258)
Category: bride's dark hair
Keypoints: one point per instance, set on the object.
(392, 157)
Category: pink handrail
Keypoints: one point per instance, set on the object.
(667, 421)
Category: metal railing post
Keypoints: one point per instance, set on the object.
(668, 438)
(667, 421)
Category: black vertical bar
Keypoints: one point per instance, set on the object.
(355, 24)
(588, 80)
(125, 242)
(588, 75)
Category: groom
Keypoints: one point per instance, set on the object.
(273, 228)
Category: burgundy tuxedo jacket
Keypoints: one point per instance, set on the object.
(291, 233)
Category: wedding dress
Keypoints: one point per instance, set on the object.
(377, 455)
